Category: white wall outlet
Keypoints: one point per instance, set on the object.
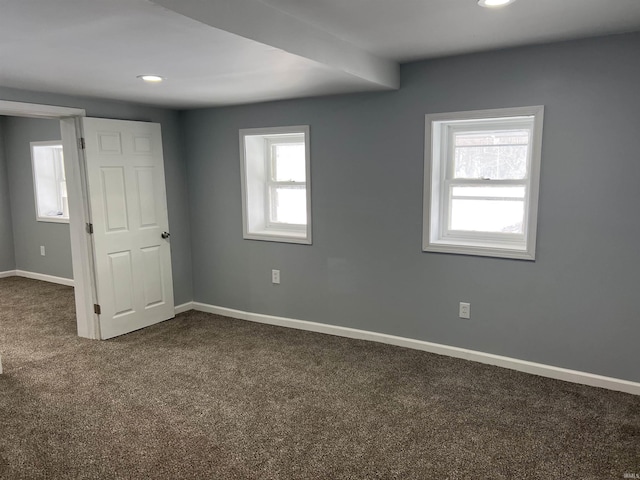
(465, 310)
(275, 276)
(42, 250)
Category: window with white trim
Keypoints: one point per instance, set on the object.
(276, 191)
(50, 186)
(482, 171)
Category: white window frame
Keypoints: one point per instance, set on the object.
(271, 143)
(438, 180)
(258, 183)
(49, 218)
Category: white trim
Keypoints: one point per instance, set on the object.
(45, 278)
(21, 109)
(436, 236)
(254, 185)
(184, 307)
(477, 250)
(280, 236)
(549, 371)
(81, 241)
(8, 273)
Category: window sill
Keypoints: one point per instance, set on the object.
(53, 219)
(486, 250)
(284, 236)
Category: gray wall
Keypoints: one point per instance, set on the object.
(28, 233)
(175, 168)
(7, 257)
(574, 307)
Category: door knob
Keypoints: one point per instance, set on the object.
(165, 235)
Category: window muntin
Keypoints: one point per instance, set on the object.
(481, 172)
(50, 187)
(276, 192)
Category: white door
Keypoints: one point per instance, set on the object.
(125, 172)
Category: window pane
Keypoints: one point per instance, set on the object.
(50, 185)
(499, 192)
(289, 163)
(498, 155)
(487, 215)
(289, 205)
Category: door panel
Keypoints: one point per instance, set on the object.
(125, 171)
(144, 178)
(152, 270)
(120, 272)
(114, 199)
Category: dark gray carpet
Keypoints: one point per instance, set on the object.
(204, 396)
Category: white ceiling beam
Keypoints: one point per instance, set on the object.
(263, 23)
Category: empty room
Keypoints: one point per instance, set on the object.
(277, 239)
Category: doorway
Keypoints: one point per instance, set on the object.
(81, 250)
(118, 175)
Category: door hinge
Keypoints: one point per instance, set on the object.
(81, 143)
(96, 309)
(90, 228)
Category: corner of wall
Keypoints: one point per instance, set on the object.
(7, 250)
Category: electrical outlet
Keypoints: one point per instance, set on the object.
(42, 250)
(465, 310)
(275, 276)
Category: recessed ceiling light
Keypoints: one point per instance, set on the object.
(494, 3)
(151, 78)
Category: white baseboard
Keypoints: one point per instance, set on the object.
(45, 278)
(540, 369)
(185, 307)
(8, 273)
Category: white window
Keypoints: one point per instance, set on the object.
(276, 191)
(482, 170)
(49, 182)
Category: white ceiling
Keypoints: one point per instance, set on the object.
(222, 52)
(406, 30)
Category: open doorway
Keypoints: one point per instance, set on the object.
(118, 219)
(35, 240)
(78, 208)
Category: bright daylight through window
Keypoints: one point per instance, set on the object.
(276, 190)
(481, 182)
(49, 182)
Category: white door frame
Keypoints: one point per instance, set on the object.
(79, 213)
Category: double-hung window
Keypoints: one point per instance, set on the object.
(276, 193)
(50, 186)
(481, 182)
